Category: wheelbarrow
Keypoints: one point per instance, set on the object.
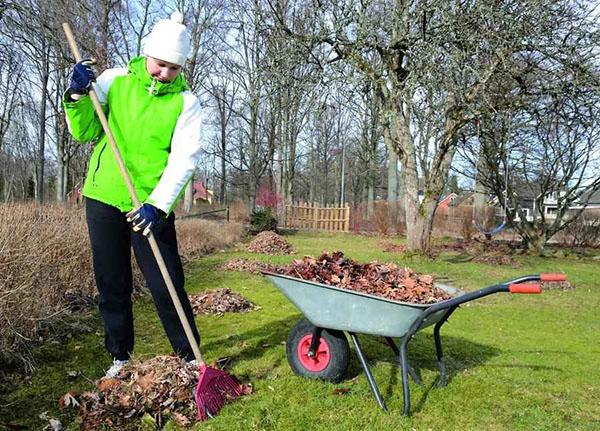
(318, 348)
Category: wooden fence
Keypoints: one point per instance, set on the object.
(313, 216)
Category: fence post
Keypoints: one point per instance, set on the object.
(347, 218)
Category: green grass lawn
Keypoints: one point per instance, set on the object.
(515, 361)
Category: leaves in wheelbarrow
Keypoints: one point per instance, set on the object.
(161, 387)
(381, 279)
(220, 301)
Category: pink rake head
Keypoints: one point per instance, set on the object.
(215, 387)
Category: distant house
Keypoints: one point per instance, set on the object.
(532, 204)
(466, 199)
(202, 193)
(445, 202)
(592, 199)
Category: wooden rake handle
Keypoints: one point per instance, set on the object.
(134, 198)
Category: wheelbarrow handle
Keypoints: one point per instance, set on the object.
(537, 277)
(525, 288)
(553, 277)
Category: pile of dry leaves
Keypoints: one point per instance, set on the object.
(247, 265)
(386, 280)
(161, 387)
(220, 301)
(268, 242)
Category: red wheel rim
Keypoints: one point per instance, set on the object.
(320, 360)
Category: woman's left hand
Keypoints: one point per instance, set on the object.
(144, 217)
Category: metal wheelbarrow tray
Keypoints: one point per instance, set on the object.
(317, 347)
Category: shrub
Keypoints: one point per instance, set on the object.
(238, 211)
(265, 197)
(197, 237)
(262, 219)
(584, 231)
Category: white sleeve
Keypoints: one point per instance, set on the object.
(185, 150)
(105, 80)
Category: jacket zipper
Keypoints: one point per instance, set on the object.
(151, 88)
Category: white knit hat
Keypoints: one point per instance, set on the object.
(169, 40)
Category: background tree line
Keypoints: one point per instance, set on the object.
(334, 101)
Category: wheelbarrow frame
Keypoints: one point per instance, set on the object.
(437, 314)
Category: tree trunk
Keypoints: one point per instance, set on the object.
(40, 162)
(188, 197)
(534, 242)
(62, 168)
(370, 199)
(392, 196)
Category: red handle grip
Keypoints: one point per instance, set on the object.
(553, 277)
(525, 288)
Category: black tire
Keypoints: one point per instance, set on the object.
(332, 343)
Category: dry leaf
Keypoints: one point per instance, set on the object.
(180, 419)
(247, 388)
(107, 384)
(56, 425)
(68, 400)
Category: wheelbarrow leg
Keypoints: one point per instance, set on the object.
(405, 366)
(411, 371)
(438, 346)
(370, 378)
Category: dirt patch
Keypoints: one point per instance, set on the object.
(268, 242)
(221, 301)
(247, 265)
(160, 387)
(386, 280)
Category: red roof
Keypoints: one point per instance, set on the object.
(200, 191)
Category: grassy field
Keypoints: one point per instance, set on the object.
(525, 362)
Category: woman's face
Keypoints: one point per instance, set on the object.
(162, 70)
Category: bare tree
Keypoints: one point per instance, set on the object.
(541, 125)
(429, 62)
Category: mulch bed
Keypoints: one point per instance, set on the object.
(247, 265)
(385, 280)
(268, 242)
(221, 301)
(160, 387)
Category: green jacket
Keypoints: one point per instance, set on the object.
(157, 129)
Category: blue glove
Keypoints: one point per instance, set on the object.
(144, 218)
(82, 77)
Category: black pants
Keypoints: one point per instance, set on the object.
(111, 238)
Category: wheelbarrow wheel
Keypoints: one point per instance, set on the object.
(330, 361)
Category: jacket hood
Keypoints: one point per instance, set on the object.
(137, 67)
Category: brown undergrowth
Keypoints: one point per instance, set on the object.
(46, 270)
